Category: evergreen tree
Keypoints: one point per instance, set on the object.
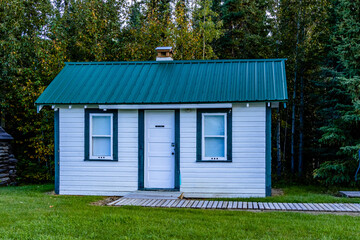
(207, 27)
(89, 29)
(247, 29)
(185, 39)
(341, 132)
(301, 32)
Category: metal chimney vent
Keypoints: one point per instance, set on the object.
(164, 54)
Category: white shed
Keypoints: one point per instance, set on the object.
(202, 128)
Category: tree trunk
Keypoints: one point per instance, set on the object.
(278, 167)
(294, 95)
(293, 128)
(285, 135)
(204, 38)
(301, 127)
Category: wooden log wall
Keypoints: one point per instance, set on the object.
(7, 165)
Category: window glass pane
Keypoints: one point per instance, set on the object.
(214, 125)
(101, 146)
(101, 125)
(214, 147)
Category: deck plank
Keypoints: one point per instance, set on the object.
(355, 207)
(255, 205)
(308, 207)
(171, 203)
(323, 207)
(219, 204)
(209, 205)
(156, 202)
(203, 206)
(277, 207)
(292, 206)
(113, 202)
(148, 202)
(120, 201)
(128, 202)
(185, 203)
(139, 203)
(261, 206)
(271, 205)
(215, 204)
(351, 207)
(303, 208)
(145, 202)
(266, 206)
(198, 203)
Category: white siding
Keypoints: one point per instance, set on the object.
(96, 177)
(245, 175)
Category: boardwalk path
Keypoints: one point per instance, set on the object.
(205, 204)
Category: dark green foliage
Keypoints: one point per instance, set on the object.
(341, 130)
(321, 40)
(247, 28)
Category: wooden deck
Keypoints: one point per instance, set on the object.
(351, 194)
(263, 206)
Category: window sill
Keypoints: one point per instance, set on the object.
(216, 161)
(101, 160)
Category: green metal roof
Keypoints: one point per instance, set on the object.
(208, 81)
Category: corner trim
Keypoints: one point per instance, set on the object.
(141, 128)
(57, 150)
(268, 152)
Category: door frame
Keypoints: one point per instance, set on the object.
(141, 153)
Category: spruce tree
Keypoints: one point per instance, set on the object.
(247, 28)
(341, 132)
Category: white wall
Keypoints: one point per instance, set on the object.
(95, 177)
(245, 175)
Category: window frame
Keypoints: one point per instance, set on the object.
(200, 143)
(203, 115)
(91, 136)
(88, 134)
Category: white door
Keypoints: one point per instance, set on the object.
(159, 163)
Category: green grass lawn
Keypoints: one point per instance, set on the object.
(306, 194)
(27, 212)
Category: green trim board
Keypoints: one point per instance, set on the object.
(115, 134)
(57, 150)
(141, 149)
(268, 152)
(141, 132)
(199, 113)
(177, 149)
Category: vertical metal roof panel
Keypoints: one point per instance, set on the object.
(168, 82)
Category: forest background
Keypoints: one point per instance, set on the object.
(316, 135)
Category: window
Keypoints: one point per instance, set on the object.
(101, 135)
(214, 135)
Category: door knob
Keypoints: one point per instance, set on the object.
(172, 153)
